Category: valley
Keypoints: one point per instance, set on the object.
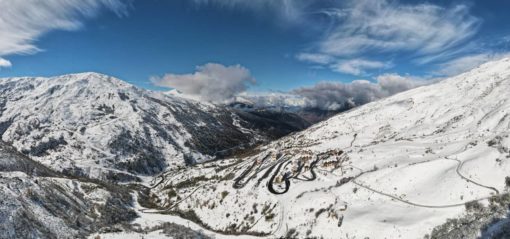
(261, 119)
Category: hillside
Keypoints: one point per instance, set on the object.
(430, 162)
(37, 202)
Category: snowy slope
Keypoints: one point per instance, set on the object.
(395, 168)
(99, 126)
(36, 202)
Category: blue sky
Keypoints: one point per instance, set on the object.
(280, 45)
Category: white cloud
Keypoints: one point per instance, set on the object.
(465, 63)
(211, 82)
(23, 22)
(358, 66)
(5, 63)
(367, 26)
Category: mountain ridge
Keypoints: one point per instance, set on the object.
(97, 125)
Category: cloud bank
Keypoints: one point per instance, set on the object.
(221, 84)
(336, 96)
(211, 82)
(23, 22)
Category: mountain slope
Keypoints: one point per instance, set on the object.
(95, 125)
(398, 167)
(36, 202)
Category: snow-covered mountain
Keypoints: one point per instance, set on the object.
(95, 125)
(432, 162)
(36, 202)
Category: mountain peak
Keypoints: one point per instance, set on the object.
(88, 74)
(492, 67)
(92, 78)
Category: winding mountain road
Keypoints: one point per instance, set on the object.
(459, 166)
(412, 203)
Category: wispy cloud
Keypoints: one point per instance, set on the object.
(364, 28)
(383, 26)
(357, 34)
(315, 58)
(23, 22)
(290, 11)
(211, 82)
(359, 66)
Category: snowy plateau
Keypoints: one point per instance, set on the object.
(90, 156)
